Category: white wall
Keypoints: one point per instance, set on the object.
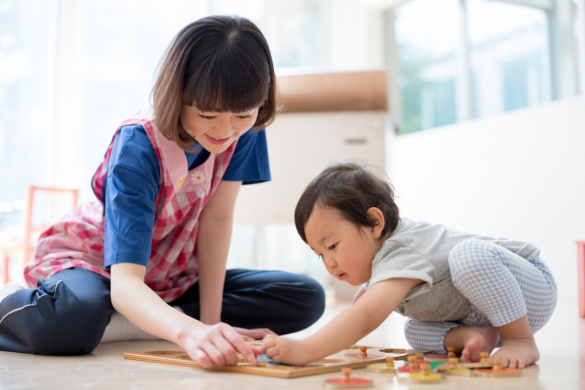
(519, 175)
(300, 146)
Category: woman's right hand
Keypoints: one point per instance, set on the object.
(217, 345)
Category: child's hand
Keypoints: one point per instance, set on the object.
(217, 345)
(283, 350)
(256, 334)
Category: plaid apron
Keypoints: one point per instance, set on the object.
(77, 240)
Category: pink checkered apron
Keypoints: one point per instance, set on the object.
(77, 240)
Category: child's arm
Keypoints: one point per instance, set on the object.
(358, 294)
(217, 344)
(372, 308)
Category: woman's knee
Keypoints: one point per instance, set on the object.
(58, 323)
(302, 303)
(314, 298)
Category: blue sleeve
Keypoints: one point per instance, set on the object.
(249, 164)
(132, 185)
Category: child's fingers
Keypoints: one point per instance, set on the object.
(268, 342)
(274, 353)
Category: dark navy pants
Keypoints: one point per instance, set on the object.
(67, 313)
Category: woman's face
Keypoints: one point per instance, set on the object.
(215, 131)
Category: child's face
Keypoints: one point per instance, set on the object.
(347, 250)
(215, 131)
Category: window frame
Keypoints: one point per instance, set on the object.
(566, 53)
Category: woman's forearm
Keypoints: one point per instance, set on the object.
(213, 241)
(133, 299)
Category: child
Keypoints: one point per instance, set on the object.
(159, 235)
(459, 290)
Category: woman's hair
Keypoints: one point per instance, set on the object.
(217, 63)
(351, 189)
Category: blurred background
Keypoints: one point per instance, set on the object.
(481, 126)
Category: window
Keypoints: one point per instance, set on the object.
(27, 66)
(509, 56)
(427, 35)
(465, 59)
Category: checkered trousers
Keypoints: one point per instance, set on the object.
(501, 287)
(77, 240)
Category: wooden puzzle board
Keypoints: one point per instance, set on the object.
(332, 363)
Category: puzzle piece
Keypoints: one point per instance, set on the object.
(383, 368)
(363, 354)
(347, 382)
(453, 368)
(412, 365)
(483, 362)
(441, 357)
(423, 376)
(497, 371)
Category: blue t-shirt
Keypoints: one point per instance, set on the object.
(133, 182)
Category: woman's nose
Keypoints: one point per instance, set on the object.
(225, 128)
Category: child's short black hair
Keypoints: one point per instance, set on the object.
(351, 189)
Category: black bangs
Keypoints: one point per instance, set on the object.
(228, 75)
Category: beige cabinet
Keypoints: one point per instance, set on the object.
(300, 145)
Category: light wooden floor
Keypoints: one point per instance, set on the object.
(561, 342)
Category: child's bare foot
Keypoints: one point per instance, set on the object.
(518, 353)
(471, 340)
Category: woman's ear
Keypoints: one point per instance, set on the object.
(377, 220)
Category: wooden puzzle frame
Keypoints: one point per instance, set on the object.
(332, 363)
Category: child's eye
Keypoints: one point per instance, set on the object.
(332, 247)
(245, 116)
(206, 116)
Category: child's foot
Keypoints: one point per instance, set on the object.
(9, 288)
(472, 340)
(518, 353)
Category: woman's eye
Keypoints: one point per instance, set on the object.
(332, 246)
(206, 116)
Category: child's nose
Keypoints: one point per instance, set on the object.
(329, 262)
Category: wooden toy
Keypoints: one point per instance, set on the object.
(423, 376)
(441, 357)
(483, 362)
(347, 382)
(453, 368)
(363, 354)
(268, 368)
(497, 371)
(383, 368)
(412, 365)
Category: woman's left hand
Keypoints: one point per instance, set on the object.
(256, 334)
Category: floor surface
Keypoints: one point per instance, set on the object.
(561, 342)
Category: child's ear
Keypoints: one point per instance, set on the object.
(377, 220)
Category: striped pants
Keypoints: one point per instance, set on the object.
(501, 287)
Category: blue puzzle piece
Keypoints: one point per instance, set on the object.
(265, 359)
